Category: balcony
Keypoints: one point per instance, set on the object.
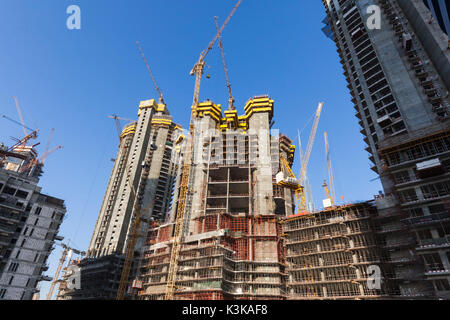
(434, 243)
(430, 219)
(436, 269)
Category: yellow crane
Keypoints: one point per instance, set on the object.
(66, 250)
(184, 184)
(286, 178)
(131, 247)
(224, 62)
(197, 70)
(329, 190)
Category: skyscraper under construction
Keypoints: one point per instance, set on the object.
(142, 177)
(397, 64)
(231, 243)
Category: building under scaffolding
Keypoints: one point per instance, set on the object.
(335, 254)
(231, 245)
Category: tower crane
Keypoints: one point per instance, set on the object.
(41, 159)
(66, 251)
(329, 191)
(20, 116)
(28, 136)
(184, 184)
(224, 62)
(118, 126)
(131, 246)
(199, 66)
(307, 186)
(24, 140)
(287, 178)
(312, 136)
(161, 98)
(48, 143)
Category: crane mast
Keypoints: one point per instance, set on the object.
(132, 241)
(200, 65)
(19, 111)
(224, 62)
(161, 98)
(184, 185)
(66, 250)
(301, 191)
(330, 192)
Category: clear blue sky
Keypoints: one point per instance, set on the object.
(71, 80)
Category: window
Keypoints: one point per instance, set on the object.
(10, 280)
(38, 211)
(442, 285)
(433, 262)
(17, 255)
(13, 267)
(424, 234)
(21, 194)
(2, 293)
(9, 190)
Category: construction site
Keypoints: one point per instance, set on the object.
(241, 224)
(215, 211)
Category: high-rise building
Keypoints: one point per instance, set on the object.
(146, 161)
(29, 224)
(397, 65)
(231, 247)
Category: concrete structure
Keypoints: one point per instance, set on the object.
(440, 11)
(399, 78)
(232, 239)
(29, 224)
(336, 253)
(147, 161)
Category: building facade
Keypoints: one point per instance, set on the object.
(398, 74)
(231, 247)
(337, 253)
(144, 172)
(29, 224)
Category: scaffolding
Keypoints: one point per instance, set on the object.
(230, 257)
(329, 253)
